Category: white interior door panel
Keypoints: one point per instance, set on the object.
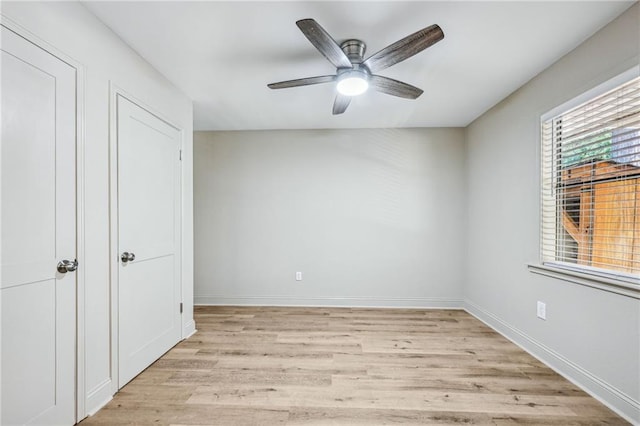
(38, 308)
(149, 229)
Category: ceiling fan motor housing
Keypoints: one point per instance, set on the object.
(354, 49)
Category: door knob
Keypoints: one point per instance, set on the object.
(127, 257)
(65, 266)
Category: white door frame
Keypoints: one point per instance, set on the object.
(114, 262)
(80, 386)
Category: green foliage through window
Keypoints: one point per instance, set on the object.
(597, 148)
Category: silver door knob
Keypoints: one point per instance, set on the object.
(65, 266)
(127, 257)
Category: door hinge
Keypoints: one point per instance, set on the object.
(180, 307)
(180, 155)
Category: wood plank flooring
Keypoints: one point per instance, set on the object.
(343, 366)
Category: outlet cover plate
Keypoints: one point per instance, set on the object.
(542, 310)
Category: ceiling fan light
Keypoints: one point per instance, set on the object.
(352, 84)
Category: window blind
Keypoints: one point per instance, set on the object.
(590, 197)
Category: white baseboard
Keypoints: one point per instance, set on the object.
(621, 403)
(98, 397)
(350, 302)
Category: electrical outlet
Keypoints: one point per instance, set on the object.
(542, 310)
(298, 276)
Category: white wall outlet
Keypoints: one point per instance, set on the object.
(542, 310)
(298, 276)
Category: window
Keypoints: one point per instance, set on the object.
(591, 185)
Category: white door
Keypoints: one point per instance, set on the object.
(149, 318)
(38, 231)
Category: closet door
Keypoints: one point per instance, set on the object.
(38, 290)
(149, 200)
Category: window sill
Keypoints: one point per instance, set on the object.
(622, 287)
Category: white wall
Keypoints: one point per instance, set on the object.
(69, 28)
(590, 335)
(370, 217)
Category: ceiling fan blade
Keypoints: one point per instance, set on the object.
(404, 49)
(324, 43)
(394, 87)
(302, 82)
(341, 103)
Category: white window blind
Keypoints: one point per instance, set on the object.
(591, 184)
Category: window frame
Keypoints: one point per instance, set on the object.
(611, 281)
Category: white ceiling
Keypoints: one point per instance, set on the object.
(223, 54)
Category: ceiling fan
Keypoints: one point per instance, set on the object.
(354, 75)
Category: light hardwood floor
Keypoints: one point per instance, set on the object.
(342, 366)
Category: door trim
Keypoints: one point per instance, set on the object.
(114, 262)
(80, 384)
